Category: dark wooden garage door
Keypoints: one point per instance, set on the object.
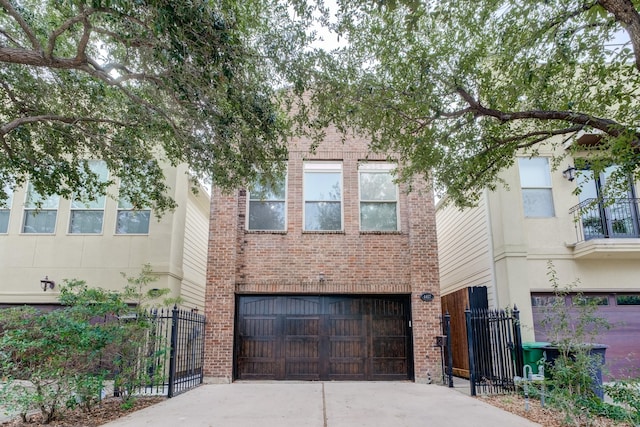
(323, 338)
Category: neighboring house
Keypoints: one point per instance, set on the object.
(505, 243)
(320, 276)
(96, 241)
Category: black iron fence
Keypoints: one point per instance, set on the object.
(495, 349)
(171, 352)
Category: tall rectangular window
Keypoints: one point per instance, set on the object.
(378, 197)
(5, 209)
(322, 196)
(535, 181)
(267, 206)
(131, 220)
(40, 213)
(87, 215)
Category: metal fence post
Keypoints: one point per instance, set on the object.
(172, 358)
(517, 337)
(472, 367)
(447, 328)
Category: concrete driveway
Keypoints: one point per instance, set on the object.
(321, 404)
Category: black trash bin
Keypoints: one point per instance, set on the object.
(596, 351)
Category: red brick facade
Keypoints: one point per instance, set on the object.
(352, 262)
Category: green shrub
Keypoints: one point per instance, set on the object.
(56, 360)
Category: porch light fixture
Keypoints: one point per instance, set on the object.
(569, 173)
(321, 277)
(47, 284)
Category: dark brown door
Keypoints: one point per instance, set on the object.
(323, 338)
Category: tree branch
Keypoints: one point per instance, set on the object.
(51, 43)
(625, 12)
(10, 38)
(608, 126)
(35, 43)
(81, 53)
(4, 130)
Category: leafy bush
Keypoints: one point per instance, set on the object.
(576, 371)
(60, 359)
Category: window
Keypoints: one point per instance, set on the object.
(628, 299)
(322, 196)
(604, 217)
(130, 220)
(378, 197)
(87, 215)
(267, 206)
(535, 180)
(590, 300)
(5, 209)
(538, 300)
(40, 213)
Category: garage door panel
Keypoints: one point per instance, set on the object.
(390, 326)
(323, 337)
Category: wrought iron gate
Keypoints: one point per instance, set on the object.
(495, 349)
(174, 352)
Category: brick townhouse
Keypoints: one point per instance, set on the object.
(321, 276)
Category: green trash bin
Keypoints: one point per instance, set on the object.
(532, 352)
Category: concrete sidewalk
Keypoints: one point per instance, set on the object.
(321, 404)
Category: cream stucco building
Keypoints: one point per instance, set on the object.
(99, 240)
(506, 242)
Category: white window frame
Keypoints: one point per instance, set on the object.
(49, 204)
(322, 167)
(76, 205)
(382, 168)
(283, 201)
(125, 206)
(6, 206)
(524, 187)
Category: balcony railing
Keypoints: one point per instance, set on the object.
(606, 219)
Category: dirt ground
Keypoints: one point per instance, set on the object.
(109, 410)
(536, 413)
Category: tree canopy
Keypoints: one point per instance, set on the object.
(457, 88)
(140, 84)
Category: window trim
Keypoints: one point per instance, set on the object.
(85, 209)
(28, 209)
(8, 207)
(378, 167)
(322, 166)
(119, 209)
(283, 201)
(549, 187)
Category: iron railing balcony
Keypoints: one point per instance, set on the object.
(606, 218)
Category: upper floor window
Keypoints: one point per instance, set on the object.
(5, 209)
(322, 196)
(378, 197)
(87, 215)
(40, 213)
(267, 206)
(535, 181)
(131, 220)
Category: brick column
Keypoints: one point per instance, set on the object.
(219, 295)
(423, 248)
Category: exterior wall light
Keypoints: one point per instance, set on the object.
(569, 173)
(321, 277)
(47, 284)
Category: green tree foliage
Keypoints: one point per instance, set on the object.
(139, 84)
(458, 87)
